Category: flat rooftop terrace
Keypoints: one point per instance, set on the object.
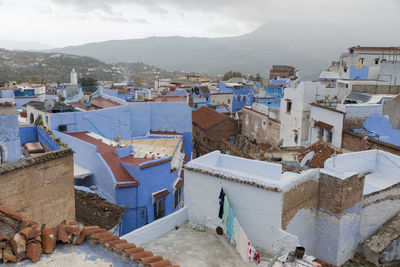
(191, 248)
(159, 147)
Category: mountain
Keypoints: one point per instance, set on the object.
(24, 45)
(307, 45)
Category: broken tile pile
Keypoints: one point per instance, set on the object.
(21, 238)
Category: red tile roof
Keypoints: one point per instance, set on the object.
(161, 193)
(29, 239)
(170, 99)
(324, 125)
(322, 152)
(96, 103)
(386, 48)
(206, 118)
(179, 184)
(205, 90)
(112, 159)
(165, 132)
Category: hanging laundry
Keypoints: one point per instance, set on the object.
(235, 230)
(226, 213)
(252, 254)
(250, 251)
(221, 203)
(231, 218)
(242, 243)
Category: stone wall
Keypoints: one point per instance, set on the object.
(352, 141)
(301, 196)
(337, 195)
(41, 188)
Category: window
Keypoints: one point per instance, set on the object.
(229, 101)
(264, 124)
(238, 98)
(376, 61)
(320, 133)
(177, 197)
(244, 98)
(361, 60)
(329, 137)
(159, 208)
(288, 106)
(345, 69)
(296, 138)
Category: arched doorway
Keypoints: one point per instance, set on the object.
(31, 118)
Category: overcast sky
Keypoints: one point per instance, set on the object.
(71, 22)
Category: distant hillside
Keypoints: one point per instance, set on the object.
(51, 67)
(307, 45)
(55, 67)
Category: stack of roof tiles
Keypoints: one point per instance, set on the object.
(323, 151)
(21, 238)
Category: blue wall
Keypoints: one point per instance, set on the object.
(382, 126)
(359, 73)
(132, 120)
(36, 134)
(9, 137)
(28, 134)
(242, 96)
(87, 157)
(277, 94)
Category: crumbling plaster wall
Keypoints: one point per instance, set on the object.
(43, 192)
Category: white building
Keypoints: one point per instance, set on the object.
(326, 124)
(295, 109)
(74, 77)
(329, 211)
(370, 63)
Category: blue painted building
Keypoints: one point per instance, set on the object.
(10, 144)
(242, 94)
(148, 185)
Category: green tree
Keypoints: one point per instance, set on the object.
(87, 81)
(137, 80)
(232, 74)
(35, 79)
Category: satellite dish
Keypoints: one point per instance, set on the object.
(196, 91)
(306, 158)
(85, 100)
(49, 104)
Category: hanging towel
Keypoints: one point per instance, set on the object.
(221, 203)
(250, 251)
(226, 214)
(235, 230)
(242, 244)
(230, 223)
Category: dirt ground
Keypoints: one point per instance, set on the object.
(91, 209)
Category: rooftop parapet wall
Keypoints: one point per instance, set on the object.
(337, 195)
(24, 184)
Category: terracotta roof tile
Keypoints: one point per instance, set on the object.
(151, 259)
(114, 242)
(322, 153)
(161, 193)
(324, 125)
(179, 184)
(206, 118)
(163, 263)
(130, 251)
(141, 255)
